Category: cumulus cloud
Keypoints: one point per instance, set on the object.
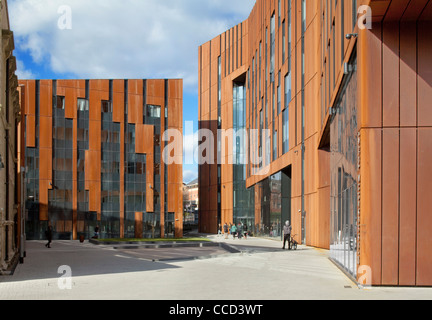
(122, 38)
(22, 72)
(189, 175)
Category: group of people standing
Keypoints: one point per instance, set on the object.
(240, 230)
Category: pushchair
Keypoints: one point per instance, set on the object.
(294, 243)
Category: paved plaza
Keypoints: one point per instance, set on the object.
(252, 269)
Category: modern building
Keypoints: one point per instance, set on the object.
(94, 157)
(191, 202)
(335, 99)
(10, 117)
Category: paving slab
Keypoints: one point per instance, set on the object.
(256, 269)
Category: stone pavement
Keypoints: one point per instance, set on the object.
(258, 270)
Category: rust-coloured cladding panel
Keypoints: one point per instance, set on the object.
(370, 202)
(98, 91)
(155, 91)
(390, 74)
(390, 207)
(408, 206)
(118, 108)
(45, 164)
(370, 77)
(135, 101)
(175, 89)
(45, 98)
(44, 186)
(92, 162)
(30, 131)
(424, 205)
(175, 113)
(408, 68)
(30, 112)
(424, 73)
(144, 139)
(138, 225)
(150, 182)
(45, 132)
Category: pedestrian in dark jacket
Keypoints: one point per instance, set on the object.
(239, 231)
(225, 230)
(287, 235)
(48, 234)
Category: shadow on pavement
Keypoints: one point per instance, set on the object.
(83, 259)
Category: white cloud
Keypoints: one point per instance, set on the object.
(22, 72)
(123, 38)
(189, 175)
(190, 148)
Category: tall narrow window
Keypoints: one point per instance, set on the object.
(272, 48)
(275, 143)
(354, 13)
(266, 57)
(283, 41)
(279, 12)
(304, 15)
(279, 94)
(342, 31)
(289, 35)
(285, 131)
(287, 89)
(259, 81)
(219, 90)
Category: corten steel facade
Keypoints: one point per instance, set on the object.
(94, 157)
(348, 155)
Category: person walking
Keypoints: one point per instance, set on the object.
(233, 231)
(245, 230)
(239, 231)
(287, 235)
(96, 233)
(225, 230)
(49, 234)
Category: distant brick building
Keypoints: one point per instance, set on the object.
(191, 201)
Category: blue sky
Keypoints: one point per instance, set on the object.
(120, 39)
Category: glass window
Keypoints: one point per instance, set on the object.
(60, 102)
(153, 111)
(285, 130)
(343, 171)
(287, 89)
(275, 142)
(83, 105)
(272, 47)
(106, 107)
(279, 99)
(283, 41)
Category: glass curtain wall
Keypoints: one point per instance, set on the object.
(275, 208)
(151, 221)
(343, 169)
(60, 197)
(86, 221)
(34, 227)
(110, 174)
(243, 199)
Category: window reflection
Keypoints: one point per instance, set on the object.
(343, 162)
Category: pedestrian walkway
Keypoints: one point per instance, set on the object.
(256, 269)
